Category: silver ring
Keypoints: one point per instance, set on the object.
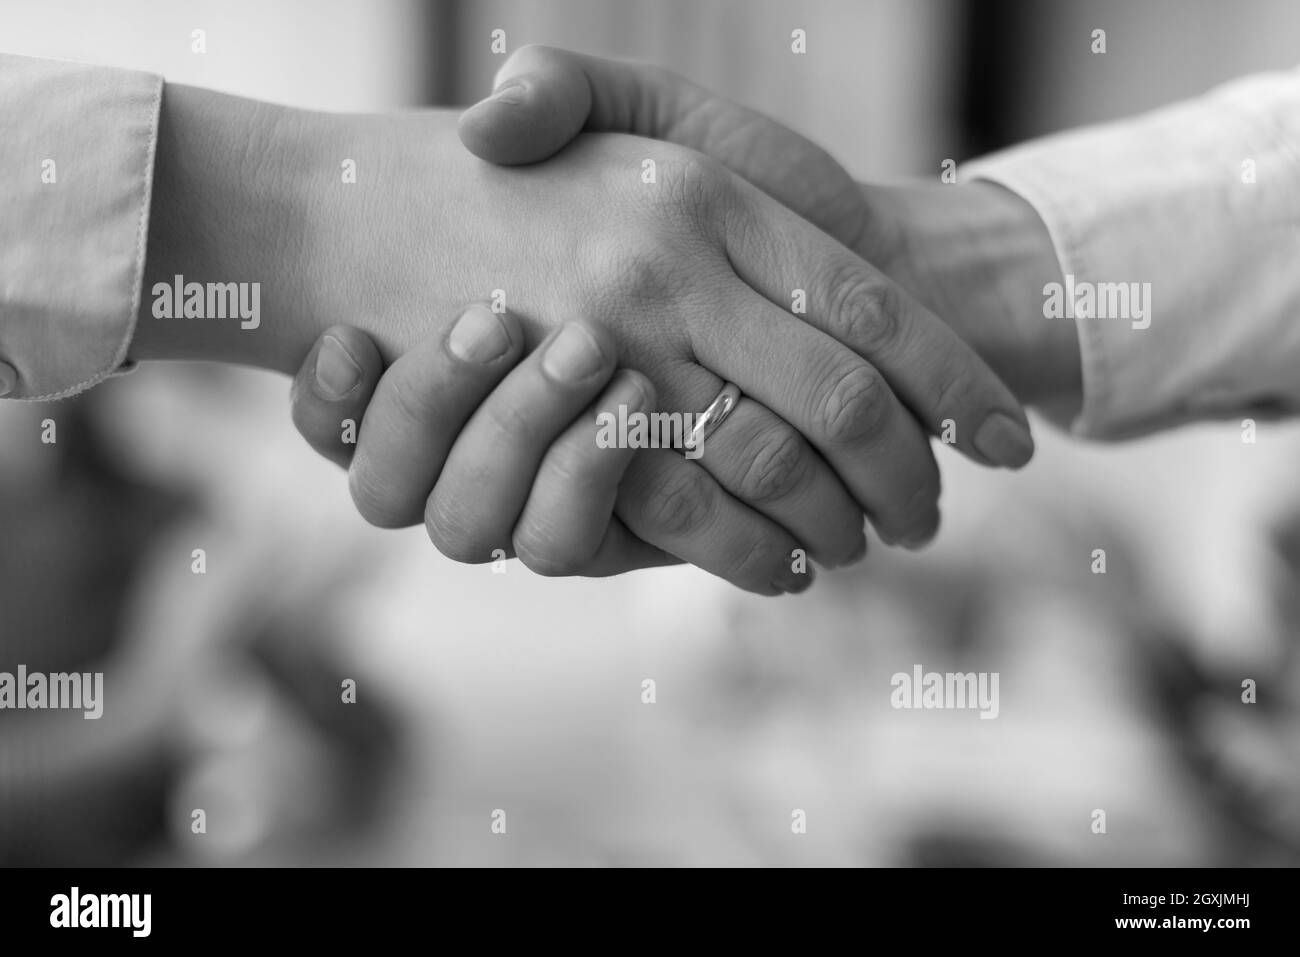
(707, 422)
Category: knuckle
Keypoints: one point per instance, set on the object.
(702, 177)
(694, 177)
(680, 503)
(689, 189)
(856, 406)
(449, 534)
(864, 311)
(779, 467)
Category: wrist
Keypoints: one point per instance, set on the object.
(229, 212)
(979, 256)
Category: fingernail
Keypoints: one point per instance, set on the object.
(572, 355)
(478, 336)
(509, 93)
(1004, 441)
(337, 373)
(8, 378)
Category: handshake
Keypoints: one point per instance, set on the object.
(610, 321)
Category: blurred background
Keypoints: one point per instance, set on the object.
(479, 691)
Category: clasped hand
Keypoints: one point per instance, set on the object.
(635, 272)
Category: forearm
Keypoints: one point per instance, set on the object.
(228, 206)
(979, 256)
(247, 192)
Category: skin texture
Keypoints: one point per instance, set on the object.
(975, 253)
(551, 490)
(691, 273)
(979, 256)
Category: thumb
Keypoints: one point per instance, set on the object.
(545, 97)
(542, 100)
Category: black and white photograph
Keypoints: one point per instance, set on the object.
(622, 434)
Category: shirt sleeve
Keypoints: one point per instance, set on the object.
(76, 170)
(1178, 234)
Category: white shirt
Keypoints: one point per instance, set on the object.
(1201, 201)
(76, 170)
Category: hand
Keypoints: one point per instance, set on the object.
(508, 446)
(975, 253)
(691, 272)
